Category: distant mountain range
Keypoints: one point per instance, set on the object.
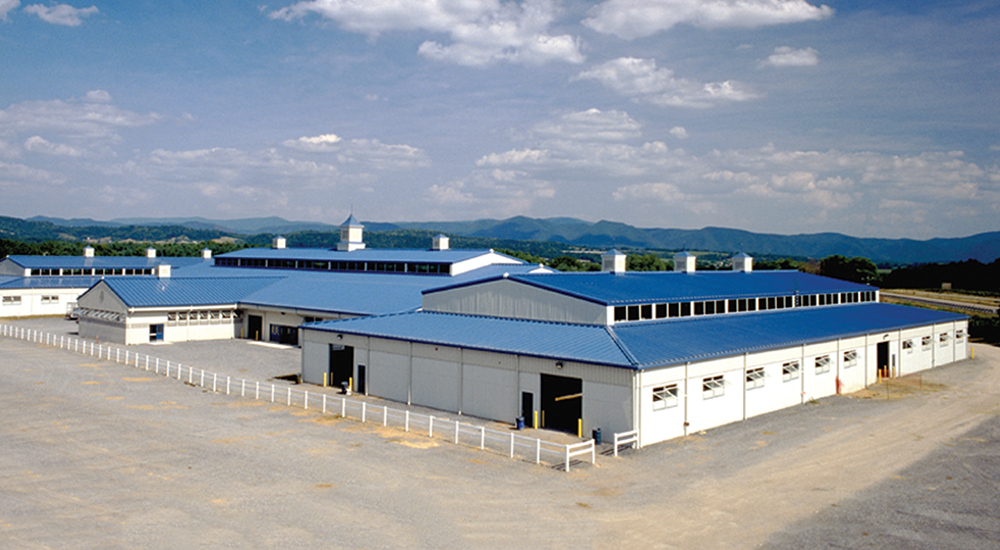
(984, 247)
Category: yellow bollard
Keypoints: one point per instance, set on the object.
(579, 427)
(535, 423)
(973, 350)
(326, 376)
(350, 383)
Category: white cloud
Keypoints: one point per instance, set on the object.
(590, 125)
(481, 31)
(6, 6)
(491, 193)
(631, 19)
(97, 96)
(641, 80)
(530, 156)
(371, 152)
(73, 119)
(679, 132)
(13, 173)
(786, 56)
(61, 14)
(38, 144)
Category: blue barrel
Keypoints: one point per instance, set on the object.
(519, 421)
(597, 436)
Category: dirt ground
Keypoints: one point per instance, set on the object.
(99, 455)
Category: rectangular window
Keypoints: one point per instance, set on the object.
(686, 309)
(908, 345)
(633, 313)
(646, 311)
(699, 308)
(620, 313)
(822, 299)
(661, 311)
(11, 300)
(709, 308)
(850, 358)
(771, 303)
(713, 386)
(790, 370)
(755, 378)
(925, 343)
(959, 335)
(813, 300)
(50, 299)
(752, 304)
(822, 364)
(675, 310)
(732, 306)
(741, 304)
(789, 301)
(943, 339)
(664, 397)
(720, 306)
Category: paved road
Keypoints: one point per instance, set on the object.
(98, 455)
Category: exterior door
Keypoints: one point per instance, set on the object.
(156, 333)
(883, 360)
(562, 403)
(255, 324)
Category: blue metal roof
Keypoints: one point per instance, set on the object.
(103, 262)
(364, 255)
(587, 343)
(643, 345)
(75, 281)
(359, 293)
(351, 220)
(169, 292)
(645, 287)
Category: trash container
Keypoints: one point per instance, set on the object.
(519, 422)
(345, 387)
(597, 436)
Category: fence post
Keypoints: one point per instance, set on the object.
(227, 382)
(126, 357)
(430, 426)
(538, 451)
(456, 432)
(243, 388)
(272, 393)
(215, 381)
(385, 415)
(191, 375)
(482, 438)
(305, 401)
(324, 403)
(118, 355)
(289, 396)
(343, 407)
(157, 366)
(512, 444)
(257, 394)
(180, 370)
(363, 411)
(168, 370)
(203, 378)
(406, 422)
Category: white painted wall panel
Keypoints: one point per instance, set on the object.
(435, 384)
(490, 393)
(388, 375)
(607, 407)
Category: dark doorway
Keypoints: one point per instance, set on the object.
(528, 408)
(360, 386)
(255, 324)
(285, 335)
(341, 364)
(155, 333)
(562, 403)
(883, 360)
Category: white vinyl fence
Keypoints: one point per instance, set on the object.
(504, 443)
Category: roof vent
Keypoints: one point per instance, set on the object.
(742, 262)
(684, 262)
(163, 271)
(206, 253)
(441, 242)
(150, 252)
(614, 261)
(278, 243)
(351, 235)
(88, 252)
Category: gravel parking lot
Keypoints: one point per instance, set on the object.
(100, 455)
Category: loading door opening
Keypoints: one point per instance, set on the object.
(562, 403)
(255, 324)
(341, 364)
(883, 360)
(528, 408)
(285, 335)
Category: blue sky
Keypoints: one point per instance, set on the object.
(777, 116)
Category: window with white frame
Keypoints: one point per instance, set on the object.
(755, 378)
(823, 364)
(50, 299)
(790, 370)
(959, 335)
(850, 358)
(664, 397)
(713, 386)
(925, 343)
(908, 346)
(11, 300)
(943, 339)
